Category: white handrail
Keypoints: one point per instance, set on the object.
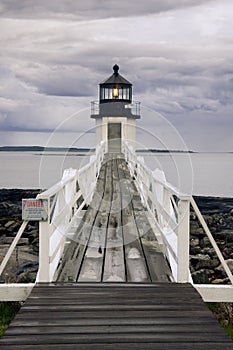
(170, 209)
(71, 194)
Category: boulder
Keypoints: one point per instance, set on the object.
(205, 242)
(200, 277)
(9, 223)
(200, 261)
(194, 242)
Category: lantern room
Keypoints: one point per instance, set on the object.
(115, 88)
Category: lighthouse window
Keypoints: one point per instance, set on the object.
(101, 94)
(106, 94)
(115, 93)
(110, 92)
(120, 93)
(125, 94)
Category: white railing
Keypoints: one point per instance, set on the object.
(65, 202)
(88, 174)
(66, 199)
(170, 212)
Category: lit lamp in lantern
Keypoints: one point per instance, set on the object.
(115, 92)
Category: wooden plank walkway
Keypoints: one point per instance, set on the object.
(110, 316)
(114, 242)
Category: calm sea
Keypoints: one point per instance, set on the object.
(208, 174)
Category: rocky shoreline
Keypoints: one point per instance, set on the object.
(23, 264)
(204, 264)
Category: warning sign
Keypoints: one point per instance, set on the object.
(35, 209)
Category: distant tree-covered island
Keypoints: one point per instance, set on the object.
(76, 149)
(43, 149)
(154, 150)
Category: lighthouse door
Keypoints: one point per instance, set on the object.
(114, 137)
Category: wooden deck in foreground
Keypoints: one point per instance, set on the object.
(110, 316)
(114, 242)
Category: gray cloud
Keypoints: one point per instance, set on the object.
(91, 9)
(180, 62)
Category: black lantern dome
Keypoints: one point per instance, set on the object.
(115, 88)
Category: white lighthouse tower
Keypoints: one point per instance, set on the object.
(115, 114)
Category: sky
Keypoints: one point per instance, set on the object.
(178, 54)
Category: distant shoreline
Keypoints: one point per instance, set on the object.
(75, 149)
(87, 149)
(43, 149)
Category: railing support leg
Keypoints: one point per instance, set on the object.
(183, 241)
(43, 273)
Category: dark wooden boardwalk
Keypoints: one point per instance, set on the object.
(114, 242)
(161, 316)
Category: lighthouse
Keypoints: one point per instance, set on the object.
(115, 112)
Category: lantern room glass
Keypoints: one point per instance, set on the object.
(115, 93)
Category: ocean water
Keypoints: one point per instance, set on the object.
(207, 174)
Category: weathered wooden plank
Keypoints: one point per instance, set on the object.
(108, 320)
(197, 330)
(117, 338)
(126, 346)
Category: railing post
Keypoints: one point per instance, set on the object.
(183, 241)
(44, 259)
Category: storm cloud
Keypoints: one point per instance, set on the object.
(90, 9)
(177, 54)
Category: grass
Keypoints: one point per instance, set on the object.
(223, 312)
(228, 329)
(8, 311)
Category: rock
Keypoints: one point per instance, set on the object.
(194, 242)
(227, 251)
(220, 270)
(210, 251)
(193, 216)
(29, 266)
(36, 245)
(200, 261)
(200, 277)
(31, 227)
(226, 235)
(9, 223)
(200, 232)
(230, 264)
(195, 250)
(205, 242)
(194, 226)
(14, 227)
(28, 277)
(218, 281)
(209, 220)
(214, 263)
